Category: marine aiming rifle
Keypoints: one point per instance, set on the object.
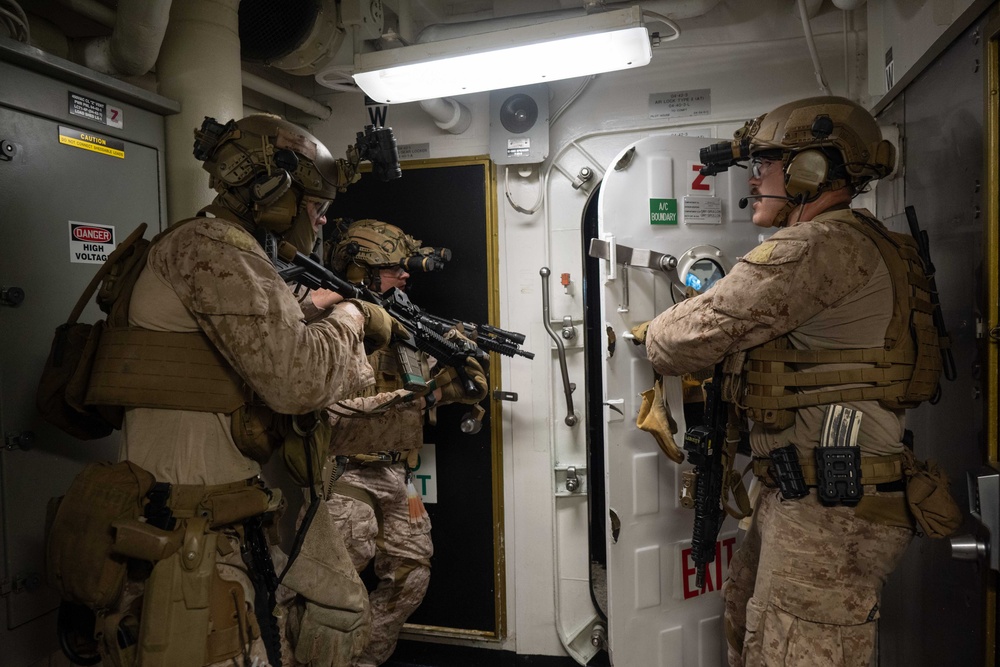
(427, 332)
(705, 444)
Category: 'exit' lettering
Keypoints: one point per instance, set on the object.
(715, 572)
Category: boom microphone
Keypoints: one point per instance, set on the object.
(746, 200)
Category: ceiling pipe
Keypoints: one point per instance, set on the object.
(134, 43)
(448, 114)
(264, 87)
(93, 10)
(206, 81)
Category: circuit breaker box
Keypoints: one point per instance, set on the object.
(81, 166)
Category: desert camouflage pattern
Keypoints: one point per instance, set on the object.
(805, 587)
(211, 275)
(361, 427)
(823, 284)
(402, 550)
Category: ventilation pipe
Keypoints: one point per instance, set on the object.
(448, 114)
(93, 10)
(134, 44)
(264, 87)
(199, 65)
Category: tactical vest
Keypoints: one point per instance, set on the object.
(136, 367)
(901, 374)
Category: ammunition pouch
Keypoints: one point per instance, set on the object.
(789, 474)
(878, 470)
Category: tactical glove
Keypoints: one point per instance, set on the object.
(639, 331)
(453, 389)
(380, 327)
(655, 418)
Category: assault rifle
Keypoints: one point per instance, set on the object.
(924, 249)
(705, 444)
(426, 331)
(489, 338)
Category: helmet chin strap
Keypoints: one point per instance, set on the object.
(301, 233)
(781, 217)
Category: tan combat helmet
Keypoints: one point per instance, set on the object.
(824, 142)
(369, 245)
(264, 168)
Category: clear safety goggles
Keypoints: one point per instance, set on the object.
(394, 271)
(320, 206)
(761, 166)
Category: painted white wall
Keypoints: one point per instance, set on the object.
(752, 56)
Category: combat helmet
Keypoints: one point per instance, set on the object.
(365, 246)
(824, 143)
(265, 169)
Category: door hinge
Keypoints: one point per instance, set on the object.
(25, 583)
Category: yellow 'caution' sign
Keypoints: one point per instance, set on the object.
(91, 142)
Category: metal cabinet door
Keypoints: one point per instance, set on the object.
(45, 186)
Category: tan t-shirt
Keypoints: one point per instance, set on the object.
(822, 283)
(211, 275)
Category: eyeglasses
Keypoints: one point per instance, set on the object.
(394, 271)
(320, 206)
(760, 165)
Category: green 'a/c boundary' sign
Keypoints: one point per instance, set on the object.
(663, 211)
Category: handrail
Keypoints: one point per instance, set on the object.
(571, 418)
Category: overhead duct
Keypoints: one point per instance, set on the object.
(134, 43)
(296, 36)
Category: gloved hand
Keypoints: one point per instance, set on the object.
(380, 327)
(654, 417)
(452, 388)
(639, 331)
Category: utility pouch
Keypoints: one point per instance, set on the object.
(838, 475)
(80, 560)
(929, 498)
(66, 374)
(63, 384)
(256, 431)
(787, 473)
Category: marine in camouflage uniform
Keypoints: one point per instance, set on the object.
(211, 275)
(380, 431)
(804, 587)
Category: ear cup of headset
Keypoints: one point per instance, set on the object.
(274, 202)
(806, 172)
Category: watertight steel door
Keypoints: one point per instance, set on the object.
(652, 198)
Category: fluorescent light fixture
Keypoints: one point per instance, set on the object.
(549, 51)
